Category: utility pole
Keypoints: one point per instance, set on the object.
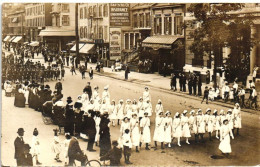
(76, 30)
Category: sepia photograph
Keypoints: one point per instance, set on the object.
(130, 84)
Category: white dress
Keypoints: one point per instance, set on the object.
(135, 133)
(134, 110)
(237, 118)
(148, 108)
(230, 118)
(159, 129)
(176, 127)
(224, 145)
(56, 146)
(106, 96)
(66, 148)
(26, 95)
(193, 125)
(158, 109)
(140, 109)
(146, 96)
(124, 126)
(112, 112)
(209, 122)
(145, 124)
(95, 96)
(97, 121)
(216, 123)
(168, 129)
(128, 111)
(120, 111)
(104, 107)
(35, 146)
(201, 124)
(185, 126)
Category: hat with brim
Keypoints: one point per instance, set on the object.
(159, 101)
(145, 113)
(146, 87)
(192, 111)
(20, 130)
(208, 110)
(215, 111)
(229, 110)
(185, 111)
(134, 114)
(168, 113)
(140, 98)
(225, 121)
(176, 114)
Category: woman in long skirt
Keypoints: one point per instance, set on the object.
(140, 108)
(105, 142)
(120, 111)
(209, 122)
(134, 108)
(176, 127)
(230, 119)
(225, 134)
(113, 112)
(237, 117)
(125, 125)
(97, 121)
(128, 109)
(148, 108)
(146, 94)
(158, 135)
(201, 124)
(185, 126)
(106, 95)
(158, 108)
(168, 128)
(35, 146)
(135, 133)
(216, 123)
(145, 131)
(222, 117)
(193, 125)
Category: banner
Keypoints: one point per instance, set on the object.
(119, 14)
(115, 43)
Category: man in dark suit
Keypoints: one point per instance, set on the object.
(127, 71)
(91, 130)
(19, 147)
(58, 87)
(75, 153)
(88, 89)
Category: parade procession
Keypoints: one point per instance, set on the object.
(122, 84)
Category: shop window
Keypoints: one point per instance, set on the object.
(135, 20)
(100, 11)
(105, 10)
(65, 8)
(65, 20)
(147, 24)
(81, 13)
(178, 20)
(81, 33)
(90, 10)
(167, 25)
(131, 40)
(126, 41)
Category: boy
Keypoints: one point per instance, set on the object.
(127, 146)
(206, 95)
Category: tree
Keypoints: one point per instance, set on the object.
(220, 28)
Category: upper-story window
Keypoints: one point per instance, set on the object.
(141, 20)
(81, 13)
(147, 21)
(157, 25)
(85, 13)
(100, 11)
(178, 21)
(65, 20)
(168, 25)
(95, 11)
(105, 11)
(85, 32)
(135, 20)
(65, 8)
(90, 11)
(81, 32)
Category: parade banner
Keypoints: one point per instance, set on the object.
(115, 43)
(119, 14)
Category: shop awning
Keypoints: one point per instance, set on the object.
(34, 43)
(74, 47)
(57, 32)
(12, 38)
(7, 38)
(159, 41)
(86, 48)
(17, 39)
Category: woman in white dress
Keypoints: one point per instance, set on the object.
(113, 112)
(158, 108)
(225, 134)
(158, 135)
(56, 145)
(222, 117)
(201, 124)
(135, 132)
(95, 95)
(216, 122)
(90, 107)
(140, 106)
(66, 148)
(125, 125)
(209, 122)
(237, 117)
(104, 107)
(35, 146)
(148, 108)
(97, 106)
(26, 94)
(134, 108)
(97, 121)
(176, 127)
(230, 118)
(145, 131)
(106, 95)
(120, 111)
(128, 109)
(146, 94)
(185, 126)
(85, 100)
(168, 128)
(193, 125)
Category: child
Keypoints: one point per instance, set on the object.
(35, 146)
(127, 146)
(62, 73)
(56, 147)
(27, 159)
(66, 147)
(206, 95)
(73, 70)
(97, 121)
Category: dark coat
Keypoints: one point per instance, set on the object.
(88, 89)
(19, 100)
(105, 142)
(19, 148)
(114, 155)
(58, 86)
(74, 148)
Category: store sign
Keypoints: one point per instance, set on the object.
(119, 14)
(115, 42)
(156, 46)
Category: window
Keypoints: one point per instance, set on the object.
(81, 33)
(95, 11)
(90, 11)
(81, 13)
(65, 20)
(157, 25)
(85, 32)
(105, 10)
(100, 11)
(100, 36)
(105, 32)
(168, 25)
(95, 31)
(147, 24)
(43, 9)
(178, 20)
(65, 8)
(85, 13)
(141, 20)
(135, 20)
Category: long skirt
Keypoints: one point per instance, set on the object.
(210, 127)
(224, 145)
(135, 136)
(237, 123)
(201, 128)
(194, 129)
(159, 134)
(186, 131)
(177, 132)
(146, 137)
(105, 143)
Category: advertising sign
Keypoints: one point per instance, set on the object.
(119, 14)
(115, 43)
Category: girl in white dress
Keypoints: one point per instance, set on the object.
(104, 107)
(168, 128)
(201, 124)
(158, 108)
(66, 148)
(35, 146)
(216, 122)
(230, 118)
(85, 100)
(176, 127)
(209, 122)
(148, 108)
(193, 125)
(134, 108)
(135, 132)
(145, 131)
(185, 126)
(225, 134)
(128, 109)
(56, 145)
(237, 117)
(120, 111)
(222, 117)
(158, 135)
(113, 112)
(106, 95)
(97, 106)
(95, 95)
(97, 121)
(26, 94)
(125, 125)
(146, 94)
(140, 106)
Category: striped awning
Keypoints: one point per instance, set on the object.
(86, 48)
(7, 38)
(74, 47)
(12, 38)
(17, 39)
(57, 32)
(161, 39)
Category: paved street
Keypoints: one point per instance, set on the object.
(245, 148)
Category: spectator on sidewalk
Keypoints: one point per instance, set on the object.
(254, 97)
(235, 92)
(226, 92)
(194, 84)
(58, 86)
(199, 85)
(19, 147)
(255, 72)
(190, 81)
(72, 69)
(207, 77)
(114, 155)
(127, 71)
(180, 81)
(164, 69)
(91, 73)
(173, 82)
(241, 94)
(206, 95)
(184, 80)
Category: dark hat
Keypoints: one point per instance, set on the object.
(114, 143)
(225, 121)
(35, 131)
(69, 100)
(20, 130)
(27, 147)
(47, 86)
